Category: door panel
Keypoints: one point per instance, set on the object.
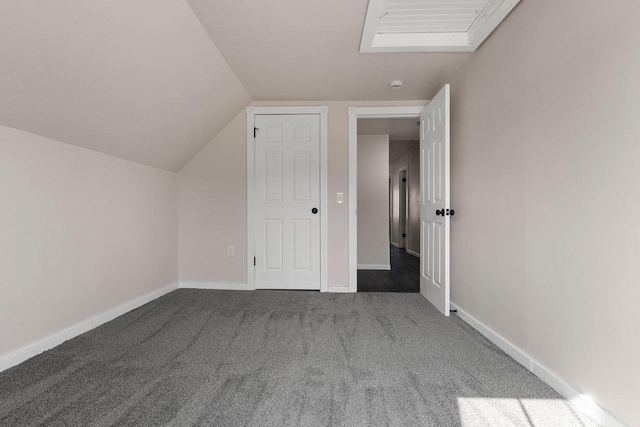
(287, 188)
(273, 248)
(273, 177)
(435, 229)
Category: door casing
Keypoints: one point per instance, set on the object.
(391, 112)
(251, 112)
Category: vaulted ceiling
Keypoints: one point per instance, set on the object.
(309, 50)
(153, 81)
(140, 80)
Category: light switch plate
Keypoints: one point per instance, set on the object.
(340, 198)
(231, 250)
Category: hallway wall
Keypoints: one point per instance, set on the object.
(410, 161)
(373, 202)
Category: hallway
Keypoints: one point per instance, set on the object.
(404, 275)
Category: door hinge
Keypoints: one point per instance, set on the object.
(254, 260)
(255, 130)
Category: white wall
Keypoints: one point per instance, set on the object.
(228, 151)
(212, 206)
(411, 162)
(373, 201)
(545, 173)
(80, 233)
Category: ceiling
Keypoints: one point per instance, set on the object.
(397, 129)
(140, 80)
(404, 134)
(153, 81)
(309, 50)
(398, 149)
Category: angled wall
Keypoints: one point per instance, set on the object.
(212, 209)
(81, 233)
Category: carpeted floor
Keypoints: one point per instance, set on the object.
(272, 358)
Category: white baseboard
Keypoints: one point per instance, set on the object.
(339, 289)
(581, 402)
(519, 355)
(397, 245)
(415, 254)
(374, 267)
(215, 286)
(19, 356)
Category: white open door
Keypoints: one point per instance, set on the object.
(434, 206)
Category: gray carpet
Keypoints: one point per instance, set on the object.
(275, 358)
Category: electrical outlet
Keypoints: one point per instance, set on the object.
(231, 250)
(340, 198)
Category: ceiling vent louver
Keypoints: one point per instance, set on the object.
(431, 25)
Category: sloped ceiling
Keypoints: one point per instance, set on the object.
(309, 50)
(140, 80)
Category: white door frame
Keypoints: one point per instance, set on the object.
(322, 111)
(405, 220)
(355, 113)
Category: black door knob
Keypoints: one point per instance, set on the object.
(314, 210)
(442, 212)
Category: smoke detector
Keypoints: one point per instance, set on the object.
(395, 85)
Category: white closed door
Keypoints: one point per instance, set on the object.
(287, 202)
(435, 210)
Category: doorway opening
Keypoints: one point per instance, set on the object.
(388, 204)
(435, 197)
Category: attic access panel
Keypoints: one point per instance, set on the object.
(431, 25)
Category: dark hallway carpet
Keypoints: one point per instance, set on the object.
(280, 358)
(403, 277)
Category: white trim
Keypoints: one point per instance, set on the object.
(580, 401)
(487, 21)
(353, 199)
(251, 120)
(374, 267)
(370, 24)
(414, 253)
(403, 233)
(19, 356)
(324, 200)
(493, 14)
(339, 290)
(391, 112)
(216, 286)
(504, 345)
(420, 42)
(397, 245)
(355, 113)
(288, 110)
(323, 112)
